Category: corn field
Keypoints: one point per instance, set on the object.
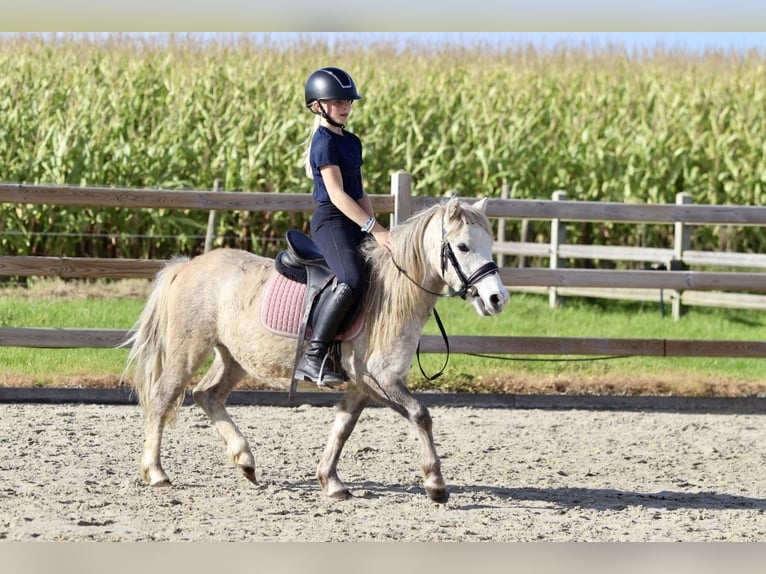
(180, 113)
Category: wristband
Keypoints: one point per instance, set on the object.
(369, 224)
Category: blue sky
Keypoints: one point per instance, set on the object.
(286, 15)
(691, 41)
(698, 42)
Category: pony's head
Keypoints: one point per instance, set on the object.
(466, 264)
(447, 244)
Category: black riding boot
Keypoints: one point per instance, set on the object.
(316, 365)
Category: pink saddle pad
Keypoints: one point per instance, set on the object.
(282, 309)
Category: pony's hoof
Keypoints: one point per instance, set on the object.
(249, 473)
(333, 487)
(344, 494)
(439, 495)
(155, 478)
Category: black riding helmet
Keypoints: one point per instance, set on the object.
(329, 84)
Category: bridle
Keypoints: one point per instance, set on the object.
(468, 283)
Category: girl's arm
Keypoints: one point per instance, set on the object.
(358, 212)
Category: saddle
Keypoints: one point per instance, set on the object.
(301, 258)
(302, 269)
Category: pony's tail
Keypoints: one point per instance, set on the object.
(149, 334)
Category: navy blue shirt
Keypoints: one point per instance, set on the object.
(345, 151)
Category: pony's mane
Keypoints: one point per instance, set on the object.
(392, 298)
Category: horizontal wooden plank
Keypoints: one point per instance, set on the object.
(724, 300)
(265, 201)
(724, 259)
(701, 348)
(626, 212)
(622, 294)
(522, 248)
(730, 300)
(621, 253)
(680, 280)
(80, 267)
(52, 338)
(167, 199)
(604, 252)
(93, 267)
(541, 345)
(615, 253)
(594, 346)
(659, 213)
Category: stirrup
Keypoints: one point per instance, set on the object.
(320, 382)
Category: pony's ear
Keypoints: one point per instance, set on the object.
(452, 208)
(481, 205)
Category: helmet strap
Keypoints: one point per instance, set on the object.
(331, 121)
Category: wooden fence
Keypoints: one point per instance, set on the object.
(401, 203)
(679, 257)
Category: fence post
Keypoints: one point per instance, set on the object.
(558, 236)
(501, 227)
(401, 189)
(523, 238)
(682, 241)
(212, 218)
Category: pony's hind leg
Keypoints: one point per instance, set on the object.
(346, 417)
(210, 394)
(165, 398)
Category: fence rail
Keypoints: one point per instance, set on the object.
(52, 338)
(684, 289)
(685, 286)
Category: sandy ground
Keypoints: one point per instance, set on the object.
(70, 473)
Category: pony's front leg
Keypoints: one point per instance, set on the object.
(346, 417)
(433, 481)
(397, 396)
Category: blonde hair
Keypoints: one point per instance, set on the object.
(307, 153)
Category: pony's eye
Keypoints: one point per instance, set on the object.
(462, 247)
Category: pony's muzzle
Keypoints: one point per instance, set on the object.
(497, 302)
(492, 304)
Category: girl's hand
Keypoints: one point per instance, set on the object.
(382, 236)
